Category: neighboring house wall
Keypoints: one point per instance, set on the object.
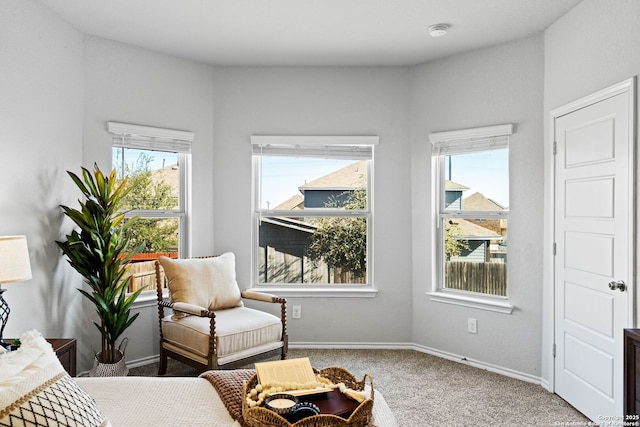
(476, 252)
(453, 200)
(320, 198)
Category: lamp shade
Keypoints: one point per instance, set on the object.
(14, 259)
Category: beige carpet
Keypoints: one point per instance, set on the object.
(424, 390)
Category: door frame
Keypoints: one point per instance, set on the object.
(548, 294)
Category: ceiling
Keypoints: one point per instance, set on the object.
(310, 32)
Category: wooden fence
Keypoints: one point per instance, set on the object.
(143, 276)
(280, 267)
(484, 277)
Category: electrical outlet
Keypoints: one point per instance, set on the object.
(296, 312)
(472, 325)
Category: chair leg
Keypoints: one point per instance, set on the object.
(162, 366)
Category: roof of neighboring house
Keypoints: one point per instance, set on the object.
(471, 231)
(292, 203)
(168, 174)
(291, 223)
(451, 185)
(348, 178)
(478, 202)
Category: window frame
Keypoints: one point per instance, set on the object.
(128, 136)
(451, 143)
(314, 146)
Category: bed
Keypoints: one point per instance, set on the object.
(35, 388)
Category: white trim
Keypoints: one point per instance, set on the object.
(479, 364)
(352, 346)
(149, 298)
(471, 140)
(148, 132)
(339, 147)
(314, 140)
(548, 300)
(483, 132)
(482, 303)
(341, 291)
(460, 142)
(389, 346)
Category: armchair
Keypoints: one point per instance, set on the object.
(210, 328)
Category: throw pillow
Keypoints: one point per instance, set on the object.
(35, 390)
(205, 282)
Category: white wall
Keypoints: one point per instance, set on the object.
(595, 45)
(41, 108)
(132, 85)
(322, 101)
(58, 90)
(493, 86)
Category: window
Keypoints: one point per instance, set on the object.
(313, 214)
(155, 162)
(472, 186)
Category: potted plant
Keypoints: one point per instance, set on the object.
(99, 250)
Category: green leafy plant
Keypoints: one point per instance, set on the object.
(453, 246)
(99, 250)
(341, 242)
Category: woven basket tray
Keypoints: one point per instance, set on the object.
(259, 416)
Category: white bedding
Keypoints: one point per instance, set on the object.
(176, 401)
(158, 401)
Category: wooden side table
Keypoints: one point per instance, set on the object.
(631, 373)
(65, 349)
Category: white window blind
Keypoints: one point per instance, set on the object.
(339, 147)
(466, 140)
(150, 138)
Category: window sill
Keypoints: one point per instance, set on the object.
(148, 299)
(314, 292)
(489, 304)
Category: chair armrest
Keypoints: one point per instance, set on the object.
(259, 296)
(191, 309)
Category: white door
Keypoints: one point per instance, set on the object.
(594, 237)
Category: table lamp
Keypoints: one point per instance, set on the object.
(14, 267)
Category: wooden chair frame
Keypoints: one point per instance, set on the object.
(212, 358)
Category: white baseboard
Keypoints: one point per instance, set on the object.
(479, 364)
(143, 361)
(131, 364)
(392, 346)
(352, 346)
(423, 349)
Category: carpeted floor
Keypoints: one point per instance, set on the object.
(424, 390)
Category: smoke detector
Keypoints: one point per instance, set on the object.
(438, 30)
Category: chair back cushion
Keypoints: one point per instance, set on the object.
(205, 282)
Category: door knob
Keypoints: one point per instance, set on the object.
(617, 284)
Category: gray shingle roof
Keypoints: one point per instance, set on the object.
(348, 178)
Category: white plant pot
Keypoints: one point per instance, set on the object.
(117, 369)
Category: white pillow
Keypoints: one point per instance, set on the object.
(205, 282)
(36, 390)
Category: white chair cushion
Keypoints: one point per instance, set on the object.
(238, 329)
